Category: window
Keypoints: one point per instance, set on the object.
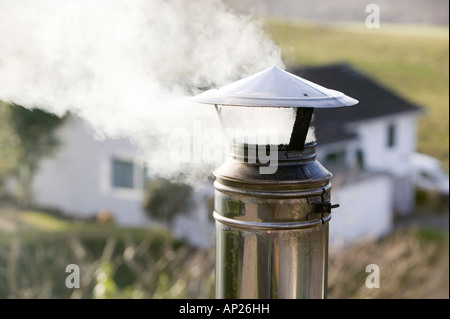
(391, 136)
(122, 174)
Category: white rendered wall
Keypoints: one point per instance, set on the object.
(373, 137)
(365, 210)
(77, 178)
(393, 160)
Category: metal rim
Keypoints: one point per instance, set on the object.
(294, 192)
(270, 226)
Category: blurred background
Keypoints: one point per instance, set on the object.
(70, 197)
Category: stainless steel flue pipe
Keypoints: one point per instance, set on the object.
(272, 229)
(272, 233)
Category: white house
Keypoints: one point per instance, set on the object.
(87, 176)
(367, 147)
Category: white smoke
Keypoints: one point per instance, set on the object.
(127, 67)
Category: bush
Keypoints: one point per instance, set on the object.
(156, 266)
(165, 199)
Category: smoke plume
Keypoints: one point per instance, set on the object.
(127, 67)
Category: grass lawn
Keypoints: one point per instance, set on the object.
(412, 61)
(29, 223)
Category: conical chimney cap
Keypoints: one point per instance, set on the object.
(274, 87)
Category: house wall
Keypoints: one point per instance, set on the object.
(395, 160)
(365, 210)
(77, 178)
(378, 156)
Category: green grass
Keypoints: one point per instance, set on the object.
(43, 222)
(29, 223)
(412, 61)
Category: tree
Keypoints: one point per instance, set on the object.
(35, 133)
(9, 142)
(165, 199)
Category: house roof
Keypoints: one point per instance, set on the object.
(374, 100)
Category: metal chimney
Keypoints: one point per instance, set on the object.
(272, 226)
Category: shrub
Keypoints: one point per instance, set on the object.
(165, 199)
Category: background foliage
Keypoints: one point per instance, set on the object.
(164, 199)
(26, 137)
